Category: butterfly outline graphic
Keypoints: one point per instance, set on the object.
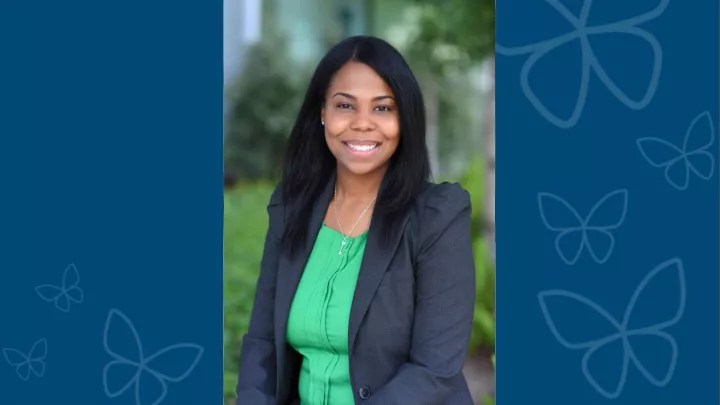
(623, 332)
(142, 363)
(589, 60)
(681, 155)
(584, 226)
(68, 292)
(25, 364)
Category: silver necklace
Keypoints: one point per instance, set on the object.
(346, 235)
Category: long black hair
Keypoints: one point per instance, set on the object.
(309, 163)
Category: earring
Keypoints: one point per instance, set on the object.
(322, 123)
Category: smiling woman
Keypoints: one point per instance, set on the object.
(367, 282)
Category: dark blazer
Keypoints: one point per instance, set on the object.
(411, 315)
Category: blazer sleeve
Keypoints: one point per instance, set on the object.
(257, 377)
(444, 304)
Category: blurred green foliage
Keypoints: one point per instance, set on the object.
(467, 24)
(487, 399)
(263, 104)
(244, 235)
(484, 322)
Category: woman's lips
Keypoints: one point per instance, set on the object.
(361, 148)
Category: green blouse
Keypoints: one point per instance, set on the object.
(319, 316)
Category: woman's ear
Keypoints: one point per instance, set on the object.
(322, 115)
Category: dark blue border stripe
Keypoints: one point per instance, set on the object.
(111, 219)
(607, 202)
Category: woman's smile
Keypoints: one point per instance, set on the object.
(360, 148)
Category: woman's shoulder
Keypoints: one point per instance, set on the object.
(443, 197)
(276, 198)
(275, 207)
(437, 206)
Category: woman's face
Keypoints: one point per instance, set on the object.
(362, 127)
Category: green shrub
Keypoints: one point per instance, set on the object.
(263, 105)
(245, 227)
(484, 323)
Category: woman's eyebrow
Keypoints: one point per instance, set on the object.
(350, 96)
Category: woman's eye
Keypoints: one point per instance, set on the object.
(344, 105)
(383, 108)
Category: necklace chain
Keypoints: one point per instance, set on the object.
(346, 235)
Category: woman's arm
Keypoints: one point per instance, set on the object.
(445, 301)
(258, 368)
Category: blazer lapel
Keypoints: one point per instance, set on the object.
(376, 260)
(290, 270)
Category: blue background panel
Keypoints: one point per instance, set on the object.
(111, 203)
(607, 202)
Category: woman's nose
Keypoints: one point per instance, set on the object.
(362, 122)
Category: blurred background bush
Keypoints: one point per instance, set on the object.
(271, 48)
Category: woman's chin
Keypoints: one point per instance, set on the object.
(363, 168)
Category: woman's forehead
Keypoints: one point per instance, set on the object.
(355, 77)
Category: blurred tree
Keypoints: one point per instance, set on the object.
(443, 39)
(466, 24)
(263, 107)
(453, 35)
(489, 203)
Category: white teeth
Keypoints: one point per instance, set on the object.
(362, 148)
